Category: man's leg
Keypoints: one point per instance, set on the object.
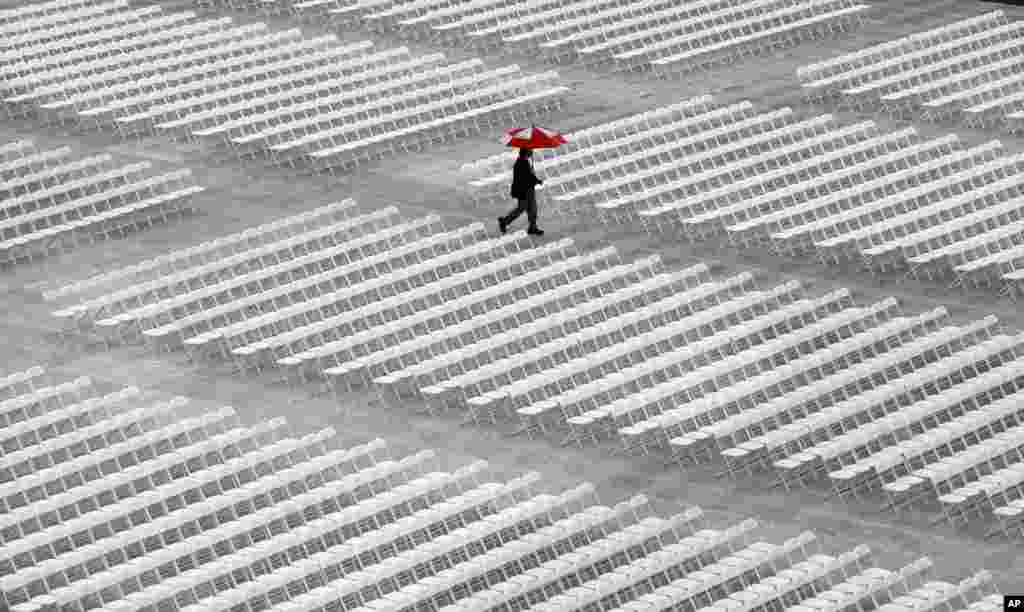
(503, 222)
(531, 210)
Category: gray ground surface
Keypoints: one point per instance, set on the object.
(242, 195)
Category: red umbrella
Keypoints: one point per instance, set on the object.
(533, 137)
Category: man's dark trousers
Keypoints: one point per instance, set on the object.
(527, 204)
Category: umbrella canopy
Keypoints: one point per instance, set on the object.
(533, 138)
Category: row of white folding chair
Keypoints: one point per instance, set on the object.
(201, 94)
(824, 16)
(598, 338)
(234, 497)
(760, 139)
(538, 15)
(53, 424)
(73, 170)
(214, 54)
(604, 133)
(493, 17)
(281, 526)
(619, 289)
(901, 46)
(935, 595)
(699, 356)
(296, 327)
(831, 150)
(619, 547)
(342, 520)
(745, 134)
(734, 325)
(390, 491)
(245, 262)
(137, 478)
(562, 171)
(471, 344)
(998, 494)
(121, 33)
(726, 419)
(364, 248)
(49, 201)
(615, 588)
(431, 22)
(245, 56)
(47, 74)
(832, 454)
(378, 14)
(605, 345)
(913, 58)
(301, 123)
(304, 332)
(155, 199)
(950, 474)
(693, 429)
(989, 168)
(39, 81)
(868, 590)
(75, 80)
(303, 234)
(327, 128)
(574, 528)
(635, 48)
(32, 161)
(94, 526)
(466, 113)
(212, 108)
(811, 220)
(132, 433)
(557, 40)
(641, 407)
(205, 252)
(866, 93)
(470, 515)
(785, 446)
(337, 352)
(995, 182)
(800, 205)
(382, 67)
(46, 163)
(987, 269)
(37, 398)
(42, 14)
(987, 241)
(729, 32)
(881, 469)
(945, 239)
(684, 149)
(145, 195)
(357, 358)
(992, 78)
(76, 34)
(781, 210)
(377, 68)
(438, 265)
(641, 25)
(426, 579)
(985, 114)
(341, 282)
(297, 69)
(549, 345)
(992, 84)
(15, 150)
(16, 384)
(63, 26)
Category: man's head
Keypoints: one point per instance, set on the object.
(525, 153)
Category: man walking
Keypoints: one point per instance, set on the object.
(524, 182)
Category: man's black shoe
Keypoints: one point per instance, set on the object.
(502, 226)
(533, 231)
